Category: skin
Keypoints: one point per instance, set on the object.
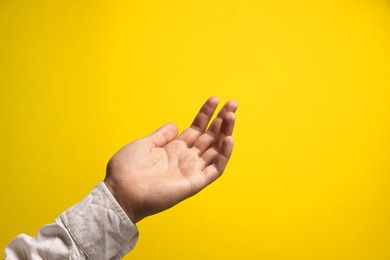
(158, 171)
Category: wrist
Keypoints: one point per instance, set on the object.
(113, 188)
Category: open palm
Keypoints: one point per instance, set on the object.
(154, 173)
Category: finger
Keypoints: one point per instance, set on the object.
(200, 123)
(204, 142)
(208, 139)
(230, 106)
(213, 171)
(227, 125)
(202, 119)
(189, 136)
(163, 135)
(226, 129)
(209, 156)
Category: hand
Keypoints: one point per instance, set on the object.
(155, 173)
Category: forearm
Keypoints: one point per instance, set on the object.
(95, 228)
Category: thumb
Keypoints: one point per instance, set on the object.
(163, 135)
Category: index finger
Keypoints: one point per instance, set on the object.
(200, 123)
(204, 115)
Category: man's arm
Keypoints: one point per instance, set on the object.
(95, 228)
(145, 177)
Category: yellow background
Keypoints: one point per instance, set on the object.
(309, 177)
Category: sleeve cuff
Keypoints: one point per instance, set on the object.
(100, 227)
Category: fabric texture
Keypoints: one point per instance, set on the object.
(95, 228)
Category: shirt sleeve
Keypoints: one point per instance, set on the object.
(95, 228)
